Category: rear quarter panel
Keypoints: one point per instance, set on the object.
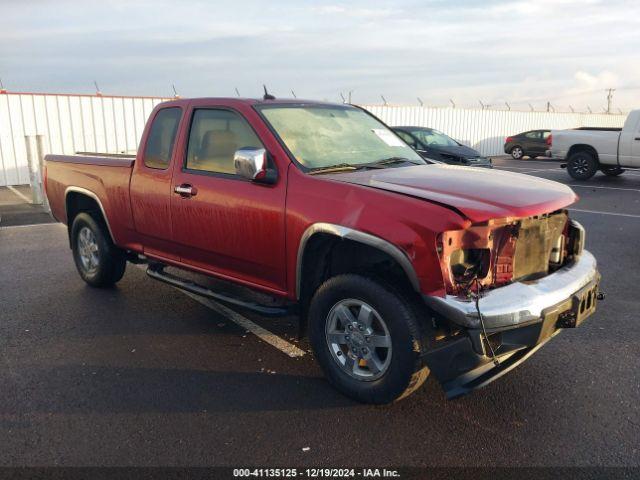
(108, 182)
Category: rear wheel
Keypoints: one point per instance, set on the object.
(99, 262)
(517, 153)
(582, 165)
(612, 171)
(367, 339)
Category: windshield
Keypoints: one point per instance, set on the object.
(434, 138)
(321, 136)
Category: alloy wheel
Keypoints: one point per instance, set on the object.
(517, 152)
(580, 166)
(358, 339)
(88, 250)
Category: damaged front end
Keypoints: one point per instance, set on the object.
(503, 251)
(511, 285)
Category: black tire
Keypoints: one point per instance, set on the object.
(405, 371)
(517, 152)
(612, 171)
(582, 165)
(107, 263)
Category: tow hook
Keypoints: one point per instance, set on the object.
(601, 296)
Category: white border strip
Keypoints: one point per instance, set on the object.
(9, 227)
(20, 194)
(545, 170)
(262, 333)
(605, 213)
(605, 188)
(530, 167)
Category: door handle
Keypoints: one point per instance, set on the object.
(185, 190)
(637, 138)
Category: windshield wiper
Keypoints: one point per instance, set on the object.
(340, 167)
(389, 161)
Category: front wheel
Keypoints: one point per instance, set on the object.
(582, 166)
(99, 262)
(367, 339)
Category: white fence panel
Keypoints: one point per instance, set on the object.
(69, 123)
(486, 130)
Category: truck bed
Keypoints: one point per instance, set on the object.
(604, 141)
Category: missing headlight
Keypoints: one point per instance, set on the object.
(467, 264)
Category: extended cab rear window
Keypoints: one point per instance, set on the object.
(162, 137)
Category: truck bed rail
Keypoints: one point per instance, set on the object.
(108, 160)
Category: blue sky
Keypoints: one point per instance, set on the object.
(564, 51)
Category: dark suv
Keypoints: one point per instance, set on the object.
(434, 145)
(527, 144)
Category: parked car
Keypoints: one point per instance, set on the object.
(527, 144)
(432, 144)
(397, 268)
(588, 150)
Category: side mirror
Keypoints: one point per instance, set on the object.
(253, 164)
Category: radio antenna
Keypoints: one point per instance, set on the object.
(267, 95)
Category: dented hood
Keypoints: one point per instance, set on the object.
(477, 194)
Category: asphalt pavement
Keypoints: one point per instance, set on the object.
(145, 375)
(16, 207)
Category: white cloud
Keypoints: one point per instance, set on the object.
(329, 9)
(355, 12)
(587, 82)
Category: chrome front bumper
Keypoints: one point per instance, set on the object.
(520, 302)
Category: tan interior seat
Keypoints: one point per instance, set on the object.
(216, 151)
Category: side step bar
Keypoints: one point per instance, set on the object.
(157, 272)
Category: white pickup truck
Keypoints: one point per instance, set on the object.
(588, 150)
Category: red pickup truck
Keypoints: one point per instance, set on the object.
(396, 267)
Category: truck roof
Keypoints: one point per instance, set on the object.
(249, 101)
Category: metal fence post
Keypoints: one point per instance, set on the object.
(41, 149)
(35, 179)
